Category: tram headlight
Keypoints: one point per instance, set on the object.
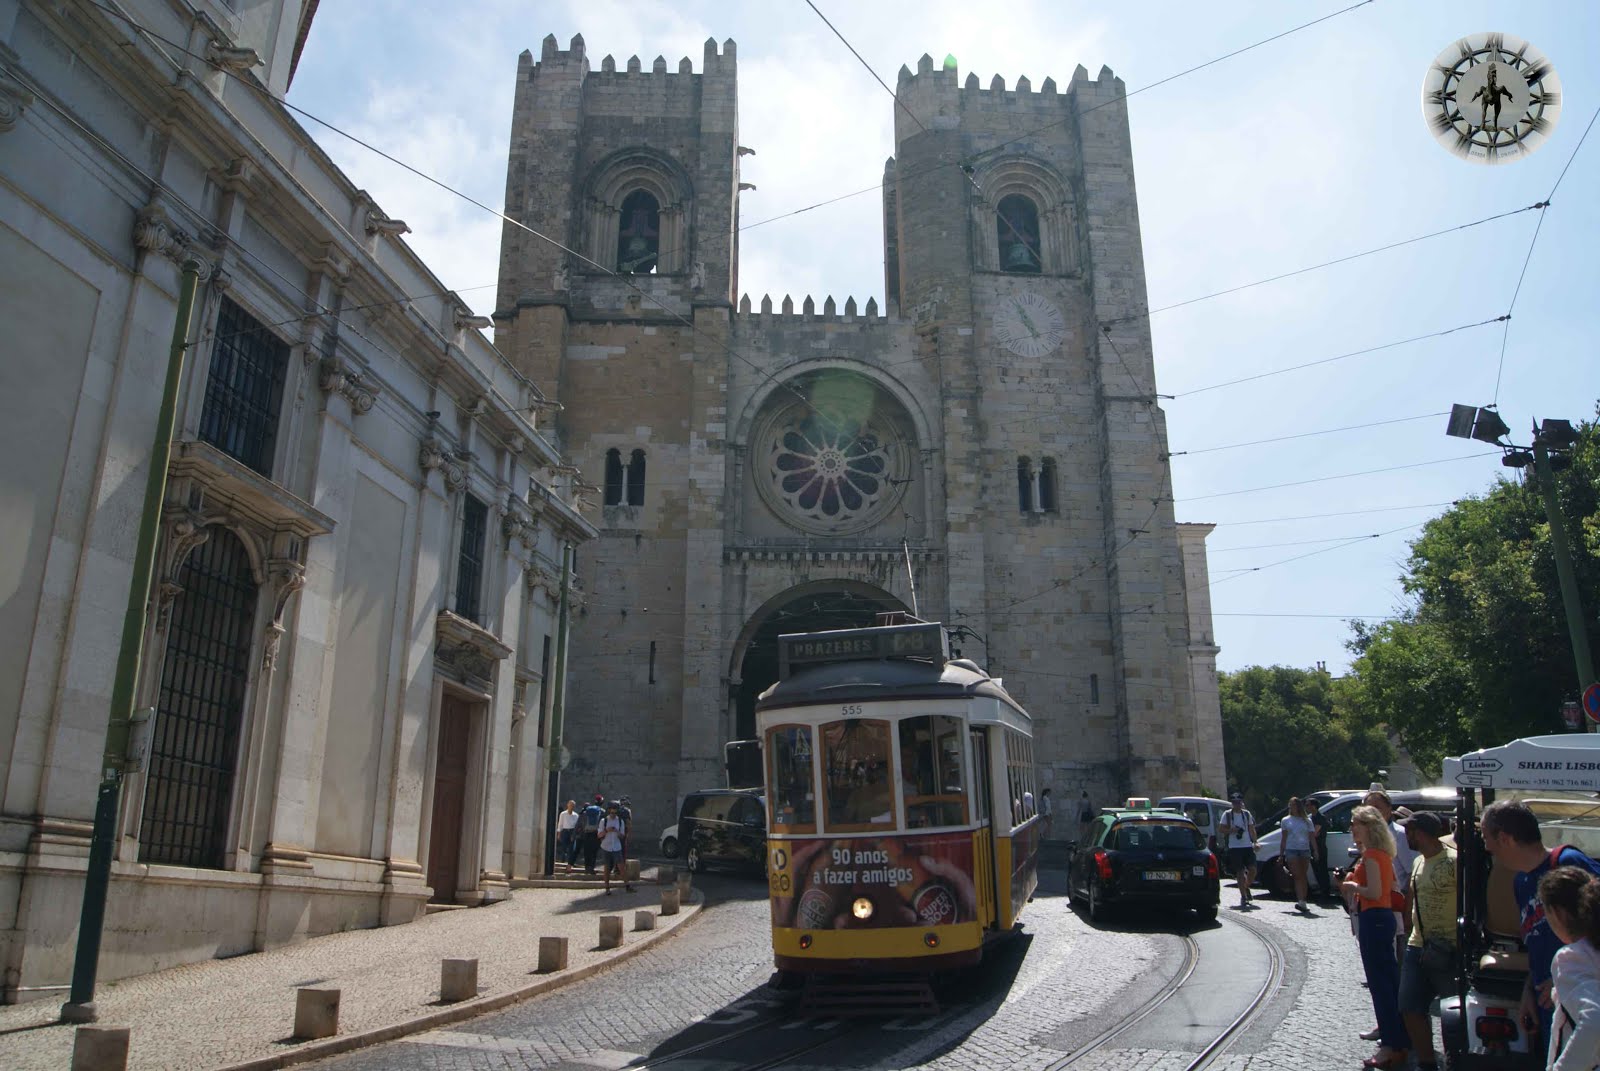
(862, 908)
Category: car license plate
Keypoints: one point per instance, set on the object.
(1161, 875)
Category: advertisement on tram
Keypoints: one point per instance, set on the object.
(865, 882)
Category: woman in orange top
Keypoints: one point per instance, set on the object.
(1368, 890)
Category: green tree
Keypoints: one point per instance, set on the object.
(1482, 655)
(1287, 732)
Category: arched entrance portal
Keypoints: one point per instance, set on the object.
(817, 607)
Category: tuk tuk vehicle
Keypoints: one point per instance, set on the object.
(1558, 778)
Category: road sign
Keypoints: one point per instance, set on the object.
(1591, 702)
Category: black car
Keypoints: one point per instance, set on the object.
(1150, 858)
(724, 827)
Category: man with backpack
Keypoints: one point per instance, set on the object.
(589, 832)
(1511, 834)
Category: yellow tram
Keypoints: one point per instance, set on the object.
(903, 831)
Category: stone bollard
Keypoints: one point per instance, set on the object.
(316, 1013)
(644, 920)
(100, 1048)
(552, 954)
(684, 879)
(610, 931)
(631, 870)
(669, 901)
(458, 980)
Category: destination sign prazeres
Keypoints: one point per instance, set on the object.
(862, 644)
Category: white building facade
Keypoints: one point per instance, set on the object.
(352, 631)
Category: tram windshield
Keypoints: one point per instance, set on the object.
(794, 788)
(859, 795)
(931, 775)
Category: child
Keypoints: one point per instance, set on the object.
(1571, 898)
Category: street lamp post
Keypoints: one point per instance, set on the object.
(1485, 425)
(97, 878)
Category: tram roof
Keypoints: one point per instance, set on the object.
(886, 680)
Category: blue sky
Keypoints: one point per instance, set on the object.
(1306, 149)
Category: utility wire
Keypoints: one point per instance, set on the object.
(1336, 260)
(898, 102)
(1341, 357)
(621, 276)
(1070, 118)
(1326, 516)
(1308, 434)
(1340, 476)
(1312, 553)
(173, 198)
(1506, 333)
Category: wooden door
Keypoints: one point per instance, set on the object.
(449, 800)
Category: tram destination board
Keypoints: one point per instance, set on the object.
(926, 640)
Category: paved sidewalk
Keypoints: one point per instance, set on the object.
(238, 1013)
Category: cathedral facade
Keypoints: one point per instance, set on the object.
(983, 449)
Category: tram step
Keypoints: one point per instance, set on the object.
(876, 997)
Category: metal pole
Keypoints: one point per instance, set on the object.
(97, 881)
(558, 699)
(1564, 572)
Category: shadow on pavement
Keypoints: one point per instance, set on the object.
(766, 1023)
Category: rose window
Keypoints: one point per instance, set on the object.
(831, 470)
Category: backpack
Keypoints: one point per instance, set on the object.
(590, 821)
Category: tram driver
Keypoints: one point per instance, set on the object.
(870, 802)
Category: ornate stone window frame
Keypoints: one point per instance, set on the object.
(1058, 227)
(610, 184)
(208, 489)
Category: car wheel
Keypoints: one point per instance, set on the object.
(669, 847)
(1097, 906)
(696, 864)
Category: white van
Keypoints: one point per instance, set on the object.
(1203, 811)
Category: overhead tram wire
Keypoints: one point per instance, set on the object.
(1340, 357)
(1331, 263)
(202, 222)
(1308, 434)
(1354, 541)
(1506, 333)
(623, 277)
(1340, 476)
(1329, 516)
(1103, 104)
(898, 102)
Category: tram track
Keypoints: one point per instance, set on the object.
(1219, 1044)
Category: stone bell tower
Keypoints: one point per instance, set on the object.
(1012, 242)
(636, 172)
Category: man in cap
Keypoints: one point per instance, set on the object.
(1238, 828)
(1427, 971)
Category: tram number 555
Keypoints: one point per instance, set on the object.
(850, 710)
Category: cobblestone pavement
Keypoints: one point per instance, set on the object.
(1063, 985)
(1035, 1003)
(224, 1012)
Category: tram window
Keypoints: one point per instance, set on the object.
(858, 794)
(794, 787)
(931, 771)
(980, 779)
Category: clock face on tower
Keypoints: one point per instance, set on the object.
(1028, 325)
